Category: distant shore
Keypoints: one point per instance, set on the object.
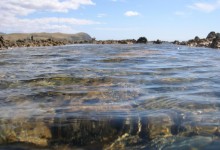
(42, 39)
(56, 39)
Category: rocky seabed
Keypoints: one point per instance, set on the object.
(108, 132)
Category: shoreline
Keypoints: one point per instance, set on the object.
(211, 41)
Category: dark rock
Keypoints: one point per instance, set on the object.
(158, 42)
(179, 43)
(218, 35)
(142, 40)
(211, 35)
(196, 38)
(155, 126)
(183, 43)
(2, 43)
(176, 42)
(192, 43)
(215, 43)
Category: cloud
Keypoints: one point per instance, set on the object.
(51, 24)
(14, 15)
(205, 7)
(28, 6)
(131, 13)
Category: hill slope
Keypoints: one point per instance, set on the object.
(44, 36)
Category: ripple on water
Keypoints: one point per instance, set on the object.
(109, 97)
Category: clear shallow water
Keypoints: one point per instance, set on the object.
(110, 97)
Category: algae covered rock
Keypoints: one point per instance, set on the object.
(156, 125)
(24, 131)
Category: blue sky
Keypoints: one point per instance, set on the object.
(113, 19)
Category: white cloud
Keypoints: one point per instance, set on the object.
(51, 24)
(205, 7)
(14, 15)
(131, 13)
(28, 6)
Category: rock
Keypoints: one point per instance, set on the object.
(196, 38)
(215, 43)
(176, 42)
(200, 123)
(203, 43)
(2, 42)
(211, 35)
(191, 143)
(142, 40)
(158, 42)
(218, 35)
(24, 131)
(84, 132)
(192, 43)
(183, 43)
(212, 41)
(156, 126)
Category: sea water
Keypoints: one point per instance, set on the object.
(140, 96)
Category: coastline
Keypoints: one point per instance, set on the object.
(211, 41)
(42, 39)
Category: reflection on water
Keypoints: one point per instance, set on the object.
(110, 97)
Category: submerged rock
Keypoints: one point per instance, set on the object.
(82, 132)
(24, 131)
(156, 126)
(192, 143)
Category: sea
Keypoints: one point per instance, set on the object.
(88, 96)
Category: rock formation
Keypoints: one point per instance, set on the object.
(157, 41)
(142, 40)
(2, 42)
(215, 42)
(212, 41)
(211, 35)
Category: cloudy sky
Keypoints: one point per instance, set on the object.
(113, 19)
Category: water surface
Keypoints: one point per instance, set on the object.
(110, 97)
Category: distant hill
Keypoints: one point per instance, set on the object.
(1, 33)
(44, 36)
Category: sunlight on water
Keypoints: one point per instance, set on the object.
(110, 97)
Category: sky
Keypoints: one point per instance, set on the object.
(113, 19)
